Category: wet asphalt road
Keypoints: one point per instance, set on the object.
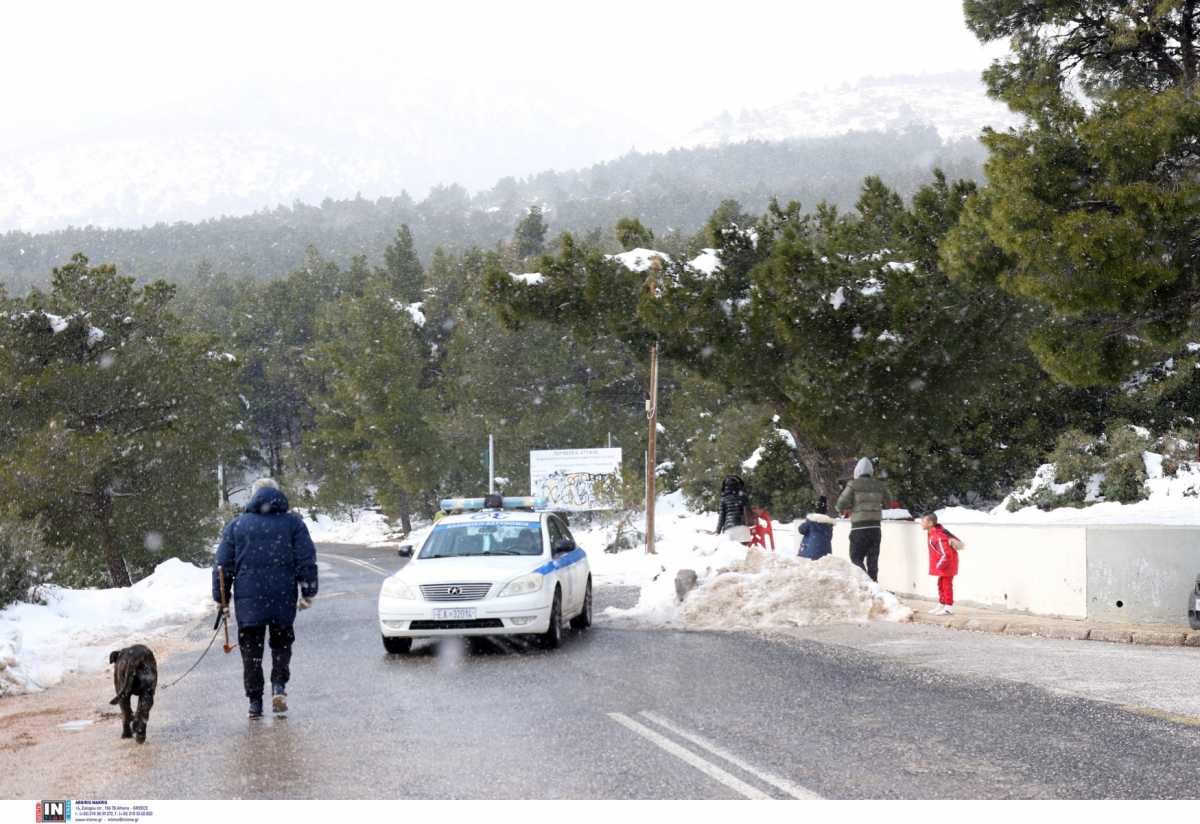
(621, 713)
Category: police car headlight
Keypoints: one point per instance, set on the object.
(523, 585)
(395, 588)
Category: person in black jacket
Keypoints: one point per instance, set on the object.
(731, 516)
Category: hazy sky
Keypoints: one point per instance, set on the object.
(568, 82)
(676, 60)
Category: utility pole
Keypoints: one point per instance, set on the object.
(651, 463)
(220, 487)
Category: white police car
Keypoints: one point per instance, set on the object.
(501, 569)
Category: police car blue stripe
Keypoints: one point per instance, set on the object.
(571, 557)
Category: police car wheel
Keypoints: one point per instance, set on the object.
(397, 646)
(584, 619)
(552, 637)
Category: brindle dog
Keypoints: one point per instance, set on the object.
(135, 673)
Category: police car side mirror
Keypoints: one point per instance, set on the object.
(405, 551)
(562, 546)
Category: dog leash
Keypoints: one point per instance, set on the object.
(211, 641)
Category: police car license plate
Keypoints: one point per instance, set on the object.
(457, 614)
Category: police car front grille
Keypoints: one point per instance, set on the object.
(454, 592)
(477, 623)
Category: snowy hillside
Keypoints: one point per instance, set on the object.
(955, 103)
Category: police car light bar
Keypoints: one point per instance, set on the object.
(523, 502)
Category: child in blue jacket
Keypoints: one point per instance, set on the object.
(817, 530)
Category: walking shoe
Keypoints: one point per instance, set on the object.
(278, 699)
(255, 708)
(947, 610)
(936, 610)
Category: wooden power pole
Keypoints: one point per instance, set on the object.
(651, 462)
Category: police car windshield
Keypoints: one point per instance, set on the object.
(476, 538)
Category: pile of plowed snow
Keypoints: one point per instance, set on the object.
(759, 590)
(75, 629)
(771, 590)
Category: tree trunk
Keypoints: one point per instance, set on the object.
(405, 513)
(825, 470)
(118, 573)
(1187, 43)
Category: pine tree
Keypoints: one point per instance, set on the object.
(402, 269)
(631, 234)
(844, 325)
(529, 238)
(1090, 206)
(115, 419)
(375, 429)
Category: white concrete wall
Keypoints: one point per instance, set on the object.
(1070, 571)
(1042, 570)
(1144, 574)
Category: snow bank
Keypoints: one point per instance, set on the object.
(738, 589)
(75, 629)
(1174, 500)
(770, 590)
(365, 527)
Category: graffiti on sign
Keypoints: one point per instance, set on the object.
(573, 479)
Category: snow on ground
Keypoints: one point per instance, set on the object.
(738, 589)
(76, 629)
(529, 278)
(768, 589)
(365, 527)
(1173, 501)
(639, 260)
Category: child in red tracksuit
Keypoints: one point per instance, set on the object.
(943, 562)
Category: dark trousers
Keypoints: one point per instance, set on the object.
(250, 640)
(864, 550)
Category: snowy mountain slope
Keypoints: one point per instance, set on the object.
(955, 103)
(241, 160)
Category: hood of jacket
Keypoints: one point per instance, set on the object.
(732, 484)
(818, 518)
(266, 501)
(864, 468)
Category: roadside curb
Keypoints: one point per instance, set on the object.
(1063, 629)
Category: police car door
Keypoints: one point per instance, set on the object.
(576, 571)
(557, 533)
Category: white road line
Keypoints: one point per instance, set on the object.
(356, 561)
(794, 790)
(707, 767)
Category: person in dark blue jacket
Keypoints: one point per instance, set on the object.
(817, 530)
(266, 555)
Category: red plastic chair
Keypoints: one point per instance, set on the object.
(761, 532)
